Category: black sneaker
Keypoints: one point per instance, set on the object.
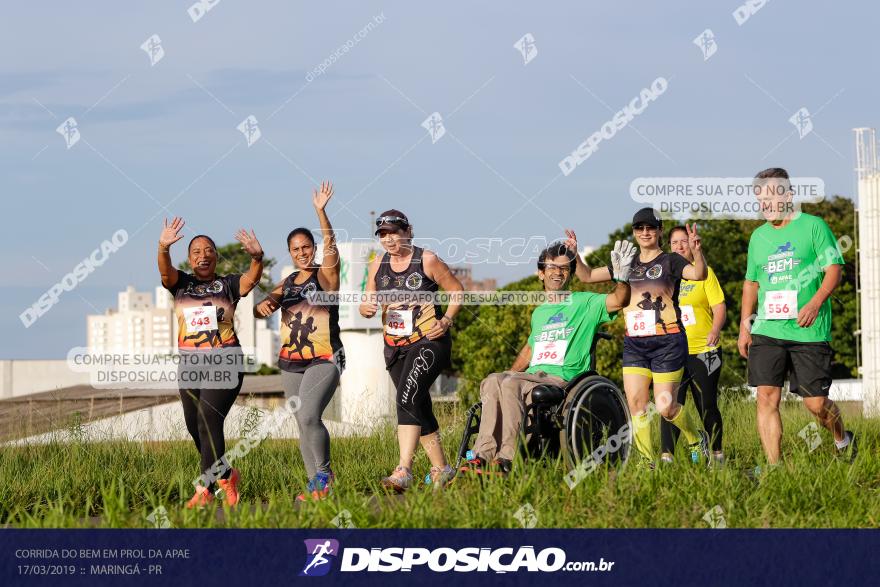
(503, 466)
(851, 450)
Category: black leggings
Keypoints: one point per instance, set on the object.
(204, 411)
(701, 376)
(413, 372)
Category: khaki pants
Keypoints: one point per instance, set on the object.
(505, 397)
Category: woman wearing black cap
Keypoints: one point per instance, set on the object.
(417, 342)
(655, 346)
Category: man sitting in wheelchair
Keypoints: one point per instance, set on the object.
(557, 350)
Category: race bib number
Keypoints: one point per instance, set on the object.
(200, 319)
(399, 322)
(549, 352)
(780, 305)
(640, 323)
(688, 317)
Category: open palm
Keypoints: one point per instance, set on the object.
(171, 232)
(320, 198)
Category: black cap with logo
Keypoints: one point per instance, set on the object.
(647, 216)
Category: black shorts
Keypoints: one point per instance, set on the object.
(660, 357)
(771, 360)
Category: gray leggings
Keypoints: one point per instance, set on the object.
(314, 388)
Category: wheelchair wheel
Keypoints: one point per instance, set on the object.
(596, 415)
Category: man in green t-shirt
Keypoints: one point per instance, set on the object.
(794, 265)
(557, 350)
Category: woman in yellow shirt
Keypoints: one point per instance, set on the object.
(703, 313)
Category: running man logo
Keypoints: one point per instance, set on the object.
(556, 318)
(250, 128)
(706, 42)
(802, 121)
(319, 556)
(434, 125)
(68, 129)
(153, 48)
(786, 248)
(526, 46)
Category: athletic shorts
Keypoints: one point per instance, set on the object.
(809, 363)
(661, 358)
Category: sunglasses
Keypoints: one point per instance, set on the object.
(391, 220)
(643, 227)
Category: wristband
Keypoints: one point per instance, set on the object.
(257, 257)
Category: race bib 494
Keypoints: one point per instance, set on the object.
(399, 322)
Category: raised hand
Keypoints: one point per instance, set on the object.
(320, 198)
(693, 238)
(571, 241)
(622, 256)
(171, 232)
(249, 242)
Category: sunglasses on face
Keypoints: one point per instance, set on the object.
(644, 227)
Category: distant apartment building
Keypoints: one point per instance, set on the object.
(137, 324)
(465, 276)
(141, 323)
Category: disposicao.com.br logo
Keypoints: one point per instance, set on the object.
(441, 560)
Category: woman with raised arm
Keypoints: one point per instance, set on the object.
(311, 357)
(417, 342)
(655, 347)
(204, 304)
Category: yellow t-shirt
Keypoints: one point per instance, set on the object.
(696, 299)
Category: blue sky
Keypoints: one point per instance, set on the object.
(167, 134)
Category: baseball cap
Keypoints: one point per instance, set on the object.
(647, 216)
(391, 220)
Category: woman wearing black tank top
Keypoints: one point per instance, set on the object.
(417, 342)
(311, 356)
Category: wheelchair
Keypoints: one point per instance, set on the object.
(574, 420)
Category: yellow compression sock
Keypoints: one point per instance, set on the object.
(686, 425)
(642, 434)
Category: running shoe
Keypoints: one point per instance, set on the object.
(398, 481)
(441, 477)
(666, 459)
(718, 459)
(323, 485)
(202, 498)
(229, 487)
(310, 489)
(700, 449)
(851, 450)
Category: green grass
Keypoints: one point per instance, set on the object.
(118, 484)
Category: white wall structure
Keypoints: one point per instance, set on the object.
(24, 377)
(869, 267)
(267, 344)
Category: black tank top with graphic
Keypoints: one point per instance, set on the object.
(406, 324)
(309, 331)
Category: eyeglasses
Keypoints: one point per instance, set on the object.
(391, 220)
(559, 268)
(644, 227)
